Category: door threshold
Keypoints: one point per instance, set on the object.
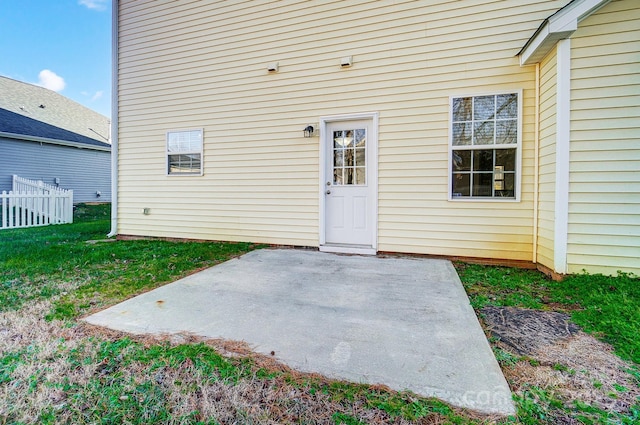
(348, 249)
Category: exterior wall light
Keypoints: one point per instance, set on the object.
(308, 131)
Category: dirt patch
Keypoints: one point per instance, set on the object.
(525, 332)
(557, 355)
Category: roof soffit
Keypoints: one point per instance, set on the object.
(556, 27)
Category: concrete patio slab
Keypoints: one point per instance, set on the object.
(402, 322)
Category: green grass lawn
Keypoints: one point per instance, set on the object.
(54, 369)
(44, 261)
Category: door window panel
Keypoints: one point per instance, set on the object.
(349, 157)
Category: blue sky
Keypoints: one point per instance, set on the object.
(64, 45)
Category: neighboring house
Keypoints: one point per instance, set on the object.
(507, 131)
(46, 136)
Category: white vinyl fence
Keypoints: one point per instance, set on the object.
(34, 203)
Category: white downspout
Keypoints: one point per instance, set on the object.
(536, 166)
(114, 120)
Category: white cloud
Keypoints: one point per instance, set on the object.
(94, 4)
(50, 80)
(97, 96)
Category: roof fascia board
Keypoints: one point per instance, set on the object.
(557, 27)
(540, 44)
(54, 141)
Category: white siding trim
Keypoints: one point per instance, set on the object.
(374, 117)
(563, 137)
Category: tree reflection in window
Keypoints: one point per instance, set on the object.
(349, 157)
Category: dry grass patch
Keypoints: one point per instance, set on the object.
(66, 372)
(35, 357)
(580, 368)
(566, 368)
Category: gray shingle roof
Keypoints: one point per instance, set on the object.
(11, 122)
(35, 111)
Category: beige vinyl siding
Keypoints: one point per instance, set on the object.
(547, 160)
(193, 64)
(604, 201)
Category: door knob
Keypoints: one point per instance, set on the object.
(328, 192)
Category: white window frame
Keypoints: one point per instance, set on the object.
(185, 152)
(517, 146)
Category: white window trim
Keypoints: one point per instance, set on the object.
(167, 153)
(518, 146)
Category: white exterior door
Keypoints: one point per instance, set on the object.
(350, 187)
